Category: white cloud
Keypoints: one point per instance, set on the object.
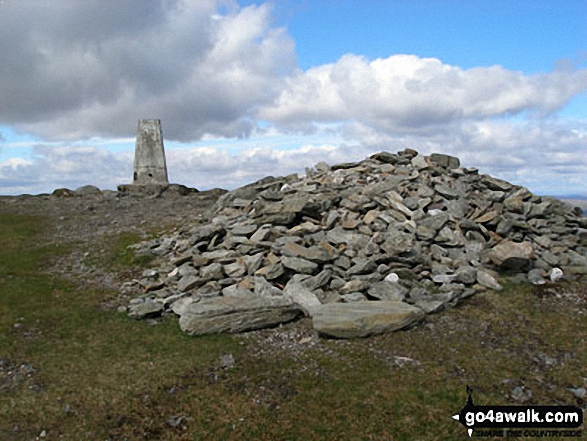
(408, 94)
(211, 69)
(547, 158)
(73, 70)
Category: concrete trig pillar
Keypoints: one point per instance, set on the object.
(149, 163)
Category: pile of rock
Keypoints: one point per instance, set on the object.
(362, 248)
(150, 190)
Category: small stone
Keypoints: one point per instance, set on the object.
(392, 278)
(147, 309)
(235, 291)
(265, 289)
(180, 306)
(365, 267)
(301, 296)
(314, 254)
(227, 361)
(521, 394)
(189, 282)
(354, 285)
(535, 277)
(261, 234)
(388, 291)
(445, 161)
(466, 274)
(236, 269)
(556, 274)
(487, 280)
(271, 272)
(353, 297)
(299, 265)
(579, 392)
(214, 271)
(512, 255)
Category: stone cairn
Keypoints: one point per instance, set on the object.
(362, 248)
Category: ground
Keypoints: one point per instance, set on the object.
(73, 368)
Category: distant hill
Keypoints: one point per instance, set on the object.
(577, 201)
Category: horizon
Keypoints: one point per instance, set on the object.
(247, 89)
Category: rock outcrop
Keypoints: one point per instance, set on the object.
(363, 248)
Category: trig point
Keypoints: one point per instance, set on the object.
(150, 169)
(149, 163)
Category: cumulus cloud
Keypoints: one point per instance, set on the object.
(72, 70)
(409, 94)
(69, 167)
(548, 158)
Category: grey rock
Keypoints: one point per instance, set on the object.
(338, 236)
(299, 265)
(386, 157)
(253, 263)
(88, 190)
(271, 272)
(362, 319)
(391, 291)
(444, 278)
(180, 305)
(261, 234)
(434, 222)
(214, 271)
(235, 291)
(232, 314)
(189, 282)
(535, 277)
(579, 392)
(147, 309)
(265, 289)
(301, 296)
(354, 285)
(364, 267)
(511, 255)
(244, 230)
(419, 162)
(447, 192)
(496, 184)
(236, 269)
(314, 254)
(353, 297)
(466, 274)
(227, 361)
(556, 275)
(446, 161)
(487, 280)
(397, 242)
(521, 394)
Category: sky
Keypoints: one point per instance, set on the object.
(247, 89)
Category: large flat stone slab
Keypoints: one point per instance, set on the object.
(362, 319)
(233, 314)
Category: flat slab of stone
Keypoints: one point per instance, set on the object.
(362, 319)
(233, 314)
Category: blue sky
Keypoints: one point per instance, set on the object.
(251, 88)
(531, 36)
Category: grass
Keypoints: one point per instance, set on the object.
(94, 374)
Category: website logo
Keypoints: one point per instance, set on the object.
(524, 420)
